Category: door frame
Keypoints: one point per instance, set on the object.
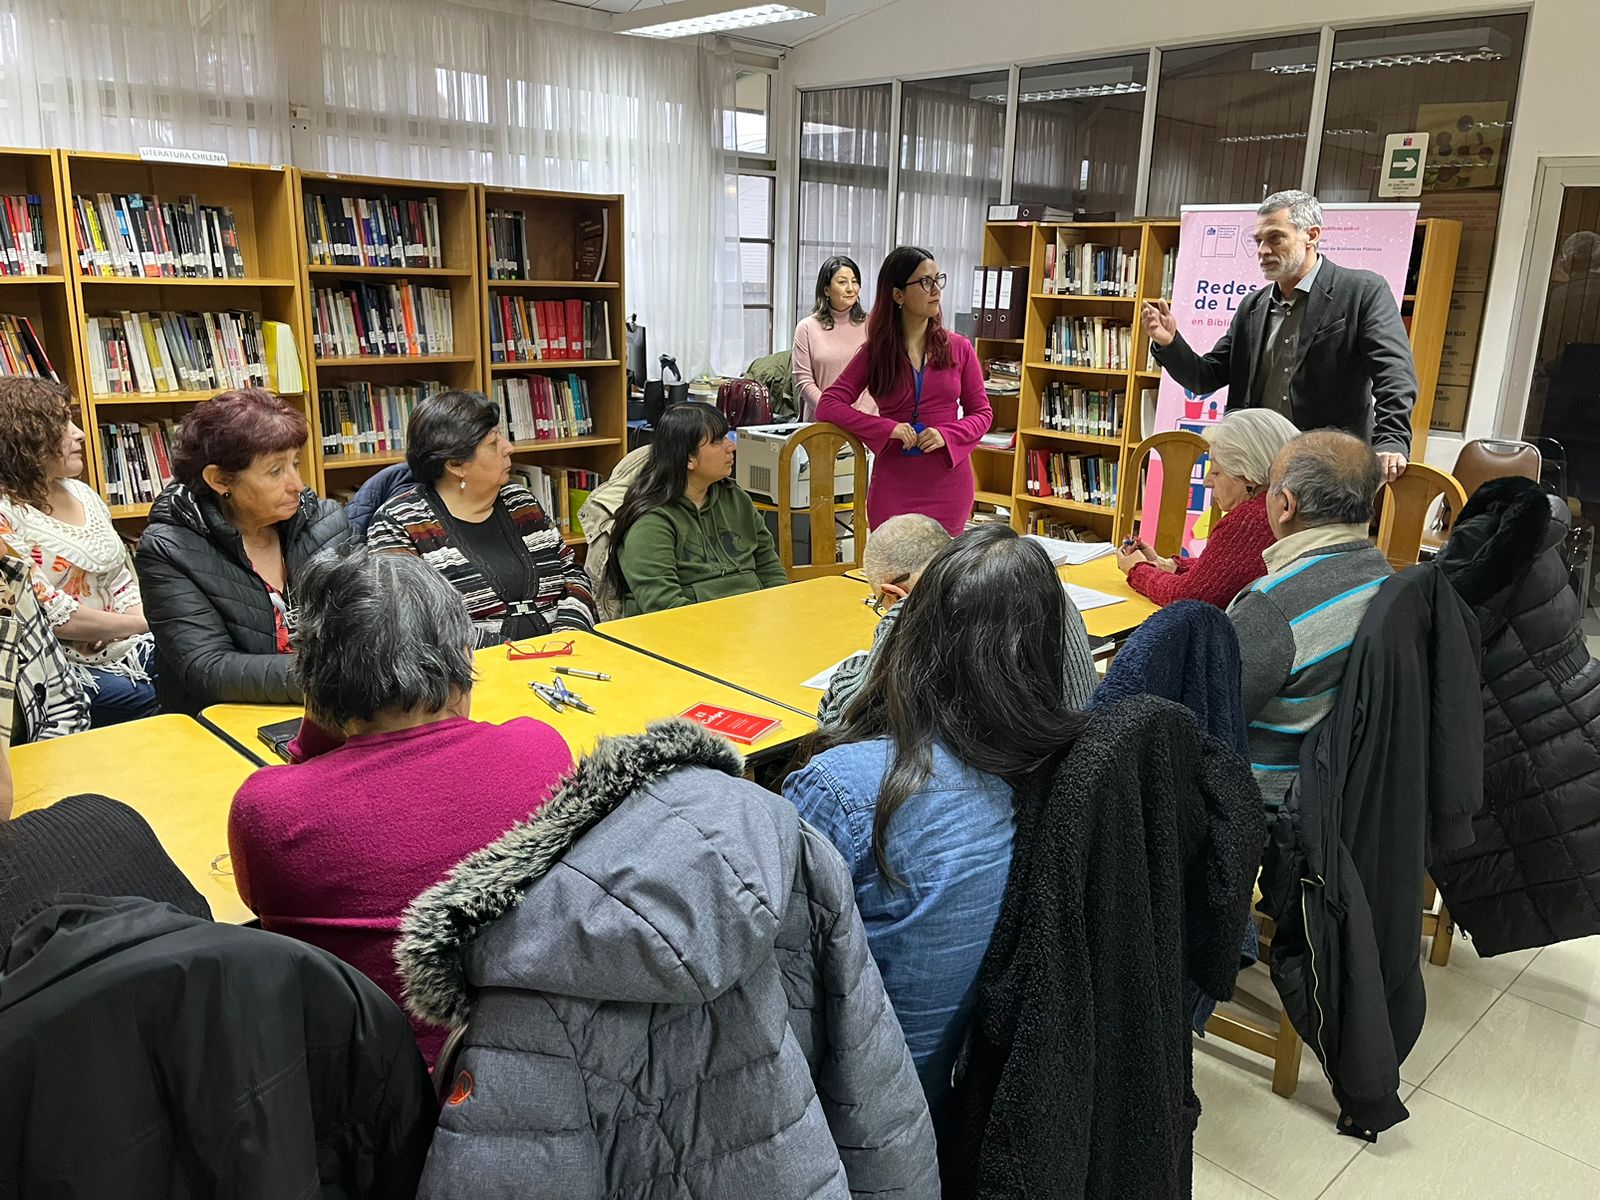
(1552, 177)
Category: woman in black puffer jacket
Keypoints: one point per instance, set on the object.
(1532, 875)
(218, 561)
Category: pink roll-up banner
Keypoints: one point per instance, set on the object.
(1216, 269)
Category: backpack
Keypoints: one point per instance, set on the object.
(744, 402)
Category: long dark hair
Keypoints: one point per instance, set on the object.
(822, 310)
(887, 365)
(974, 661)
(679, 434)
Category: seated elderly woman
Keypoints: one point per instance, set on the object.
(393, 784)
(488, 537)
(1243, 445)
(225, 545)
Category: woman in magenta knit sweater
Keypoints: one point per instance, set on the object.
(392, 784)
(932, 404)
(1243, 445)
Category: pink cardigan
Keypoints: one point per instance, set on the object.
(820, 355)
(954, 401)
(333, 849)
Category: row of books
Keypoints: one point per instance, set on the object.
(1045, 523)
(1089, 342)
(524, 330)
(1169, 268)
(561, 491)
(181, 352)
(381, 320)
(999, 301)
(21, 351)
(144, 237)
(136, 460)
(540, 408)
(1068, 409)
(1085, 269)
(508, 244)
(1086, 478)
(373, 231)
(22, 245)
(368, 418)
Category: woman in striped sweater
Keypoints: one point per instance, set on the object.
(489, 538)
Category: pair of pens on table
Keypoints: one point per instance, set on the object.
(558, 697)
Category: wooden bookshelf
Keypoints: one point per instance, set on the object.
(262, 201)
(46, 300)
(460, 275)
(551, 223)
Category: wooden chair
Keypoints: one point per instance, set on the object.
(821, 443)
(1179, 450)
(1272, 1036)
(1404, 505)
(1436, 925)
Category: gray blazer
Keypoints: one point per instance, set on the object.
(667, 993)
(1354, 369)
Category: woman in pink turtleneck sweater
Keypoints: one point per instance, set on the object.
(393, 784)
(826, 341)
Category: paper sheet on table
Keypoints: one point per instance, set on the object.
(823, 677)
(1070, 554)
(1087, 598)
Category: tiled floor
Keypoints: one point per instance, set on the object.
(1503, 1088)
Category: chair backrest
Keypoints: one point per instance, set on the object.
(597, 516)
(1403, 507)
(1179, 451)
(1484, 459)
(821, 442)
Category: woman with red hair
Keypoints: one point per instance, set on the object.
(218, 561)
(932, 404)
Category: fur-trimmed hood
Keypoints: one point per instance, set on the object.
(654, 874)
(1504, 528)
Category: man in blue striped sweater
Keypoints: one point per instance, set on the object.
(1296, 623)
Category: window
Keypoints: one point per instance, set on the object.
(952, 155)
(1078, 131)
(844, 184)
(755, 261)
(1231, 122)
(745, 124)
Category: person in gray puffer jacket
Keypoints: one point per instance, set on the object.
(667, 993)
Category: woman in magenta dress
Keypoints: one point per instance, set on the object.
(932, 405)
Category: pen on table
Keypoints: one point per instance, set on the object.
(538, 690)
(601, 675)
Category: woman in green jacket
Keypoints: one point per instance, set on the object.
(686, 532)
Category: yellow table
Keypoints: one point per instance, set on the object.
(768, 642)
(172, 771)
(1114, 620)
(641, 689)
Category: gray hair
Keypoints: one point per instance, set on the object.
(902, 546)
(1334, 478)
(1305, 210)
(1246, 441)
(378, 632)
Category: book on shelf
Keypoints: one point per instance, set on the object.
(1169, 269)
(527, 330)
(1087, 411)
(1085, 478)
(1086, 269)
(1098, 342)
(284, 374)
(1028, 210)
(999, 439)
(560, 491)
(507, 249)
(22, 241)
(373, 231)
(136, 460)
(541, 408)
(999, 301)
(133, 236)
(21, 351)
(591, 236)
(381, 320)
(367, 418)
(154, 352)
(1045, 524)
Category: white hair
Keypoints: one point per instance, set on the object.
(1305, 210)
(1246, 441)
(901, 547)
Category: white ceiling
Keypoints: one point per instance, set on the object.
(786, 34)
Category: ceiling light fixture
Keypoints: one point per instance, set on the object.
(1403, 50)
(1066, 84)
(690, 18)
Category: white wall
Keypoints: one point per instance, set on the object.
(1559, 96)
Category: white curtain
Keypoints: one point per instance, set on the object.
(844, 184)
(442, 91)
(120, 74)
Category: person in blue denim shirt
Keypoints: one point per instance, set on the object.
(962, 705)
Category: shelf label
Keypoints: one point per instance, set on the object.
(176, 154)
